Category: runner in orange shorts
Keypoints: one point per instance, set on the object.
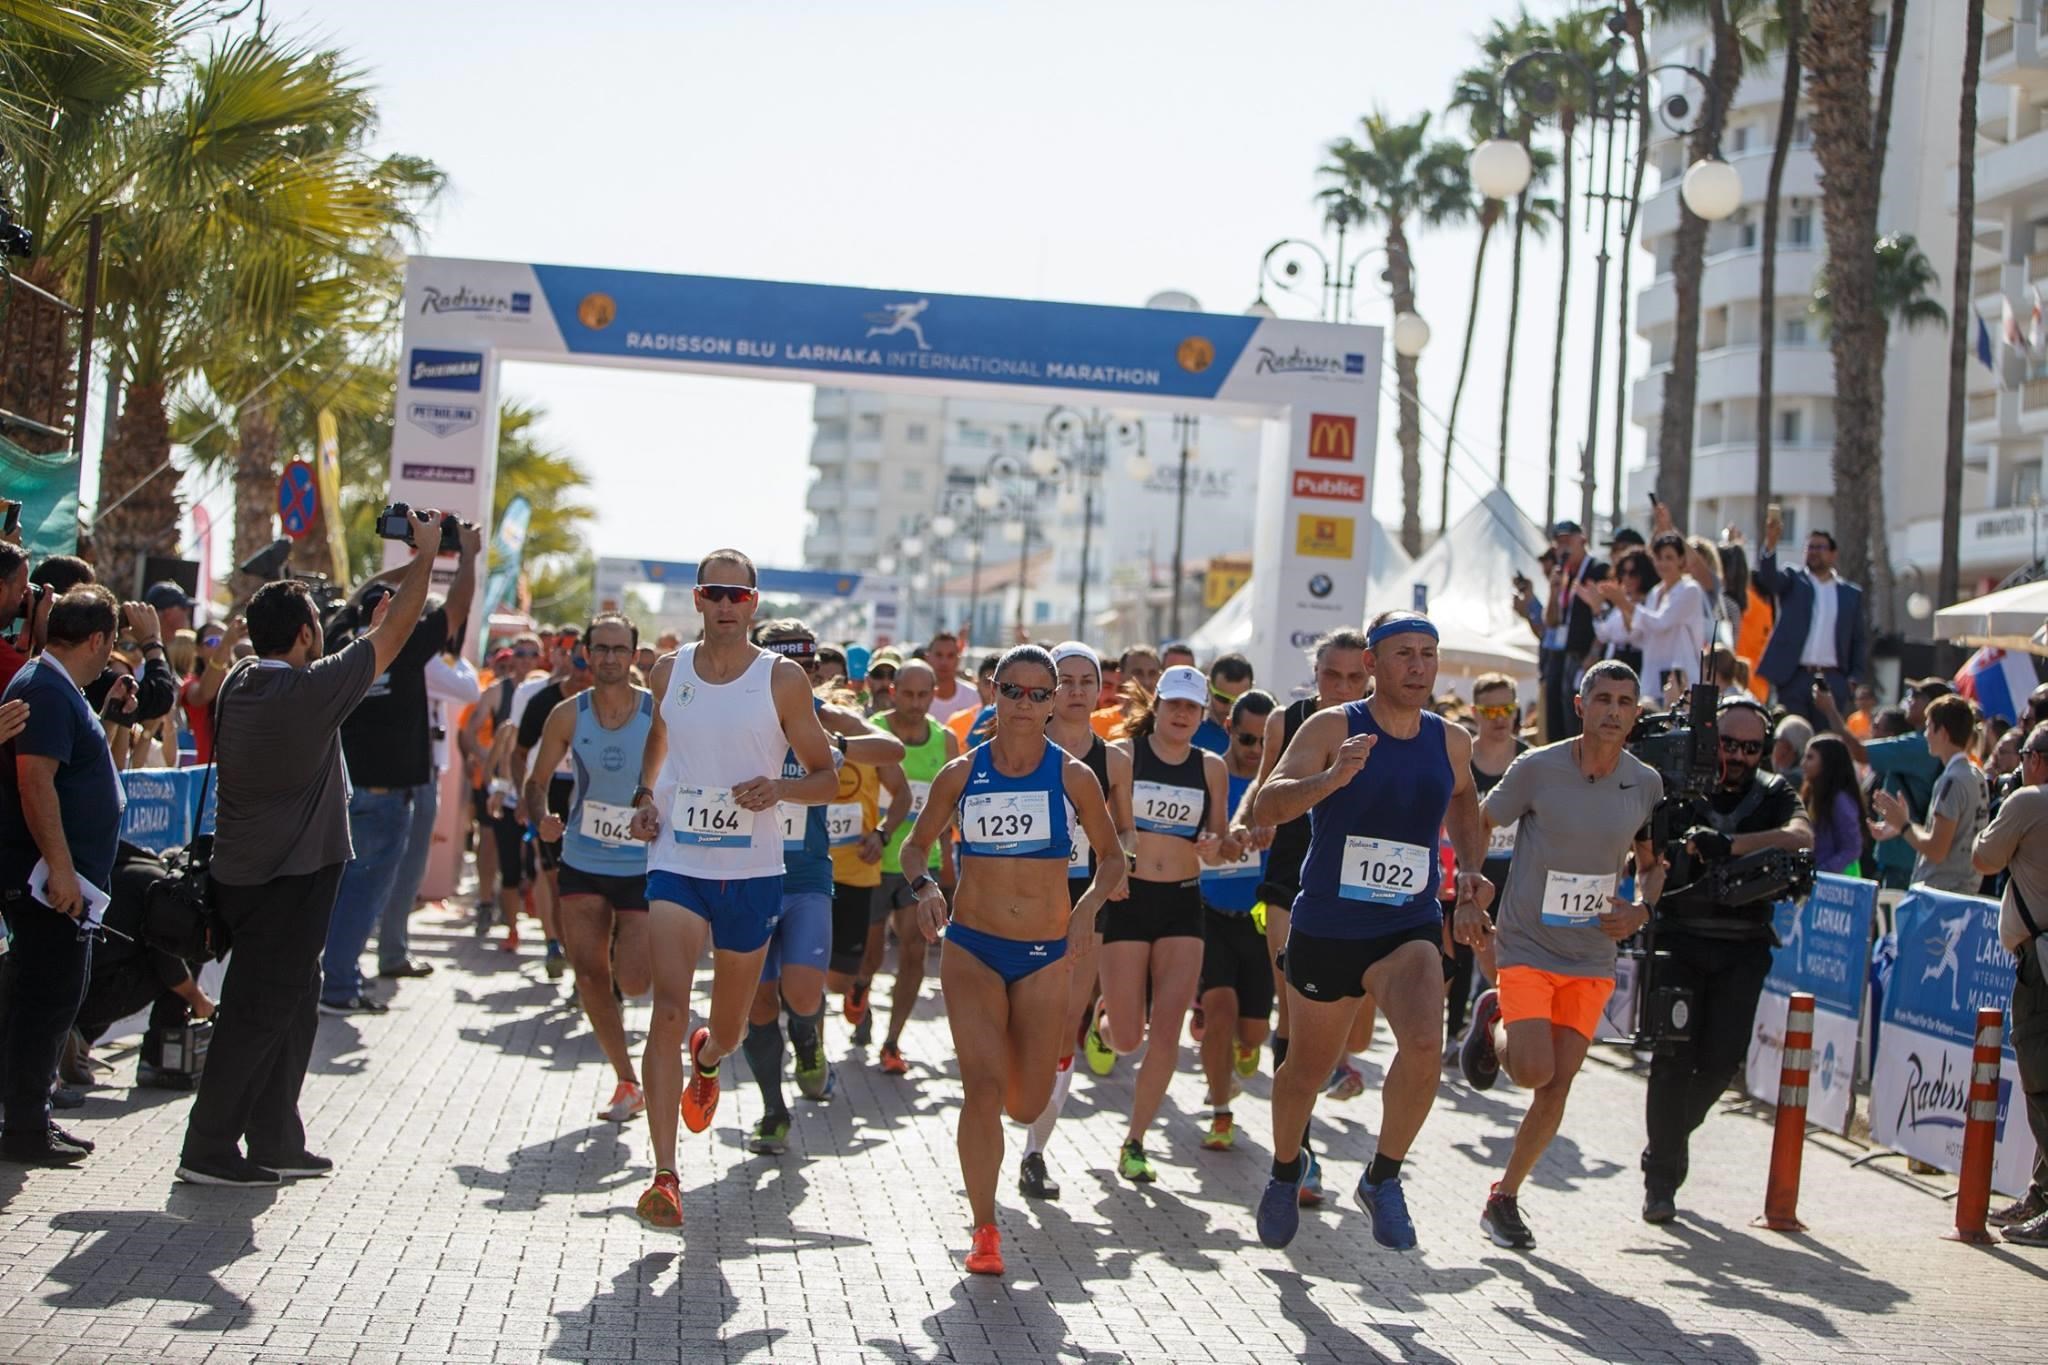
(1581, 804)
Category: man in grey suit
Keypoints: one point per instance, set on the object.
(1820, 634)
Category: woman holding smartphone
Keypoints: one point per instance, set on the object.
(1675, 622)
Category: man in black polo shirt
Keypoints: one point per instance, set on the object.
(390, 767)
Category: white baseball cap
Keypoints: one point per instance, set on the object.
(1182, 683)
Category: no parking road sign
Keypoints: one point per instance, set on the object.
(297, 501)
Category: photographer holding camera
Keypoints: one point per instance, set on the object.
(1716, 951)
(282, 839)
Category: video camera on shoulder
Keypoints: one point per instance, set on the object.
(400, 522)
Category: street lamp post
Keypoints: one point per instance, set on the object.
(1501, 169)
(1184, 425)
(1078, 446)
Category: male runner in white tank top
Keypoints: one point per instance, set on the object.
(707, 805)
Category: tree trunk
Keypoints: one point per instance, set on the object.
(1948, 584)
(1767, 290)
(1488, 215)
(1564, 294)
(1633, 25)
(38, 359)
(1507, 369)
(1409, 427)
(1881, 129)
(256, 445)
(146, 522)
(1838, 63)
(1681, 381)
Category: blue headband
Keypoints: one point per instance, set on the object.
(1408, 623)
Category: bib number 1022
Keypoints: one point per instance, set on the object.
(1388, 876)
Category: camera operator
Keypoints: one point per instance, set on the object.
(2016, 842)
(129, 973)
(282, 840)
(389, 748)
(60, 813)
(1720, 953)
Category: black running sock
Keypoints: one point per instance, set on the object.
(1288, 1171)
(803, 1034)
(1383, 1169)
(763, 1047)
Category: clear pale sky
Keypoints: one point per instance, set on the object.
(1093, 152)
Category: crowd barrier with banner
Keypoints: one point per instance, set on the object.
(1950, 964)
(163, 807)
(1824, 950)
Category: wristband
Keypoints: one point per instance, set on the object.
(639, 792)
(921, 882)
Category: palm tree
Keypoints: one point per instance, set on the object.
(1949, 580)
(1398, 176)
(1837, 55)
(1688, 259)
(1905, 281)
(1791, 19)
(1535, 215)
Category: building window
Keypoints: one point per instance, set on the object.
(1799, 229)
(862, 474)
(1802, 131)
(1794, 332)
(1738, 139)
(2026, 483)
(1745, 232)
(913, 480)
(915, 433)
(1790, 425)
(871, 426)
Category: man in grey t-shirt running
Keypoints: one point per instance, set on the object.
(1581, 805)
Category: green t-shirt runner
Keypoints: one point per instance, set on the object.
(921, 763)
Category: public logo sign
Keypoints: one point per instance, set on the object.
(1331, 437)
(1311, 483)
(1324, 537)
(462, 371)
(1195, 354)
(298, 498)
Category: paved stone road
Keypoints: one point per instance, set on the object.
(482, 1214)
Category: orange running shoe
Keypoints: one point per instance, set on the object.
(662, 1205)
(987, 1256)
(892, 1061)
(856, 1004)
(700, 1096)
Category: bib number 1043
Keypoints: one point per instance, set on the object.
(1384, 871)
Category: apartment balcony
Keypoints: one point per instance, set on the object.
(2015, 174)
(831, 403)
(828, 452)
(2015, 412)
(1736, 277)
(825, 495)
(1728, 372)
(2014, 54)
(866, 448)
(1727, 469)
(1802, 181)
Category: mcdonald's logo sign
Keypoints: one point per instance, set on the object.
(1331, 437)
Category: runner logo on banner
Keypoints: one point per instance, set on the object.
(1824, 950)
(1950, 964)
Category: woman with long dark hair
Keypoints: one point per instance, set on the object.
(1834, 802)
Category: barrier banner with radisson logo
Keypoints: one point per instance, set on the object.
(1824, 950)
(1950, 964)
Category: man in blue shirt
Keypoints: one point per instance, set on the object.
(60, 815)
(1230, 677)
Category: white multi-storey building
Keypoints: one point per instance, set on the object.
(2004, 437)
(888, 464)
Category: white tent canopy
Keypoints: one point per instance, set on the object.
(2008, 618)
(1468, 574)
(1231, 627)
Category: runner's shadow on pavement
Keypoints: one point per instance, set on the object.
(618, 1324)
(1754, 1272)
(1562, 1168)
(338, 1048)
(989, 1315)
(170, 1255)
(1568, 1297)
(549, 1036)
(592, 1160)
(523, 1000)
(1332, 1338)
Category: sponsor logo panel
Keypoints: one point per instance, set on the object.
(1332, 437)
(1314, 483)
(437, 473)
(442, 419)
(457, 371)
(1324, 537)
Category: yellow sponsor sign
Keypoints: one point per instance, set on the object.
(1222, 581)
(327, 474)
(1324, 537)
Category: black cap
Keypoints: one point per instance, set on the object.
(1566, 528)
(1626, 535)
(1933, 687)
(165, 595)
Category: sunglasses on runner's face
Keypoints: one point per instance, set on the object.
(881, 675)
(1748, 748)
(1248, 740)
(1037, 696)
(1495, 712)
(725, 592)
(526, 654)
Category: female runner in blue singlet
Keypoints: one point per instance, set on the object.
(1004, 972)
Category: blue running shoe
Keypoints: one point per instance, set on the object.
(1387, 1208)
(1312, 1184)
(1279, 1212)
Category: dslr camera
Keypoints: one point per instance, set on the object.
(400, 522)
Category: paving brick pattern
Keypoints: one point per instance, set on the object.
(482, 1213)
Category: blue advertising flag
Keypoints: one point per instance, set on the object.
(1950, 965)
(1824, 942)
(508, 548)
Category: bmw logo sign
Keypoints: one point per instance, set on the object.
(1320, 585)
